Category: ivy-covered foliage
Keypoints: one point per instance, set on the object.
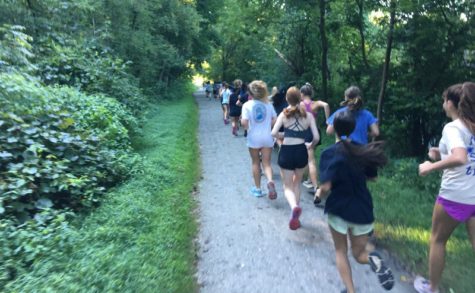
(60, 148)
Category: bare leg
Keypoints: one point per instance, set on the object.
(471, 231)
(297, 180)
(312, 168)
(223, 107)
(226, 111)
(288, 181)
(256, 166)
(266, 162)
(358, 248)
(342, 262)
(442, 227)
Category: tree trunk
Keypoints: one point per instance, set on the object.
(360, 4)
(286, 61)
(323, 38)
(387, 61)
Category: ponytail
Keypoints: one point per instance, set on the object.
(466, 109)
(354, 98)
(295, 111)
(370, 155)
(293, 97)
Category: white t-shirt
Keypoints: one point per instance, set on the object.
(259, 115)
(226, 94)
(458, 183)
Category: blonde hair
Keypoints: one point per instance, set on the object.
(293, 97)
(237, 83)
(258, 90)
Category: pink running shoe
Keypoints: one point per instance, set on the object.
(272, 192)
(294, 222)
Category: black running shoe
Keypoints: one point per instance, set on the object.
(385, 275)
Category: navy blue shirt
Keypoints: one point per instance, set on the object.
(349, 197)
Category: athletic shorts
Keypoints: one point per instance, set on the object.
(293, 157)
(342, 226)
(458, 211)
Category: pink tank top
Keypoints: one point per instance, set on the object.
(308, 108)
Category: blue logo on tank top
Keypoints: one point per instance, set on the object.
(259, 112)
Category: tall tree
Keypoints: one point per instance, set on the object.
(387, 60)
(324, 54)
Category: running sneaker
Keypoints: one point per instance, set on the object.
(294, 222)
(257, 192)
(422, 285)
(318, 202)
(271, 188)
(385, 275)
(308, 184)
(312, 190)
(235, 131)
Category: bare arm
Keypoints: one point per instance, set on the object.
(313, 128)
(325, 106)
(330, 129)
(245, 123)
(457, 158)
(324, 190)
(277, 125)
(374, 130)
(434, 154)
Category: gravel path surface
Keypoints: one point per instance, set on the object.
(245, 245)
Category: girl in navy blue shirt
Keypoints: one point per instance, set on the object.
(344, 169)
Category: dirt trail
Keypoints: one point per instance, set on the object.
(245, 245)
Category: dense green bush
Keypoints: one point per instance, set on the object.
(405, 171)
(58, 146)
(59, 151)
(89, 68)
(48, 234)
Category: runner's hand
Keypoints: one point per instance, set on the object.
(425, 168)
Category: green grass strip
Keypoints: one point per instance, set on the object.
(141, 238)
(403, 224)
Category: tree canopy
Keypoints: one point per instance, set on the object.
(428, 45)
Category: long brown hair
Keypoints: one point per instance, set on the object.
(466, 109)
(370, 155)
(293, 98)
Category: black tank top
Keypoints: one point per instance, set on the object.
(295, 130)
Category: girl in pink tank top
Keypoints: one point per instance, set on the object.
(306, 94)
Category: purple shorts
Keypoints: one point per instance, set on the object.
(458, 211)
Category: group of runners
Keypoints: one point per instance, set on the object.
(287, 118)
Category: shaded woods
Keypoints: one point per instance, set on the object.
(402, 54)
